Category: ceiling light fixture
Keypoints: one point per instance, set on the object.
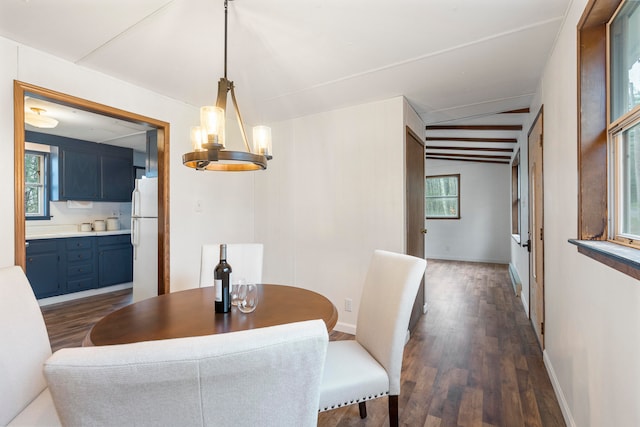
(208, 139)
(34, 117)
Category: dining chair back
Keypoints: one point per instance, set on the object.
(370, 366)
(259, 377)
(245, 260)
(25, 347)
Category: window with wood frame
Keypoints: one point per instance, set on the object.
(623, 40)
(443, 197)
(515, 196)
(36, 195)
(600, 187)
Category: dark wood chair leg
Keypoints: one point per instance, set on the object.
(363, 409)
(393, 411)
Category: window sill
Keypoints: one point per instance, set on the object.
(619, 257)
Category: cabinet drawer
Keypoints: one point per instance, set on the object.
(81, 255)
(79, 269)
(79, 285)
(79, 243)
(40, 246)
(117, 239)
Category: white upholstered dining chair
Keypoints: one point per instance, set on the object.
(259, 377)
(245, 260)
(369, 366)
(24, 397)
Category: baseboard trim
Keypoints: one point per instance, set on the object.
(525, 304)
(347, 328)
(83, 294)
(463, 259)
(515, 279)
(564, 407)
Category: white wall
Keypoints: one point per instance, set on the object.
(482, 234)
(592, 312)
(227, 199)
(333, 194)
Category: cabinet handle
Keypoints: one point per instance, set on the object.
(30, 259)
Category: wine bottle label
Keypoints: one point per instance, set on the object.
(218, 285)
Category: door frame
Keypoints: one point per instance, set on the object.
(536, 237)
(413, 227)
(19, 91)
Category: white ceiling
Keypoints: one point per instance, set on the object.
(451, 59)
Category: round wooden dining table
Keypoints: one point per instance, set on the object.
(190, 313)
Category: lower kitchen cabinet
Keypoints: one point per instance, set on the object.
(61, 266)
(115, 259)
(79, 254)
(43, 268)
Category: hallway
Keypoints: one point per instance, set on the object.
(473, 359)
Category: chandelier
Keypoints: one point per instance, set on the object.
(208, 139)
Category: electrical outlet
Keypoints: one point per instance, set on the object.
(347, 304)
(198, 205)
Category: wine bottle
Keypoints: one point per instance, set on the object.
(222, 278)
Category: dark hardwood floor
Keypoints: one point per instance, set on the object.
(473, 359)
(69, 322)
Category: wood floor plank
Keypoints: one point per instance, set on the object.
(472, 360)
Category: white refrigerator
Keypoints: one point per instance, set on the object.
(144, 238)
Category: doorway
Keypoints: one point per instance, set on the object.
(536, 229)
(415, 217)
(21, 90)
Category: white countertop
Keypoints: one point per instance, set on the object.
(53, 234)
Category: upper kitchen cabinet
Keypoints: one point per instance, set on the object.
(116, 174)
(82, 170)
(77, 174)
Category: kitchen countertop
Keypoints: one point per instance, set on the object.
(50, 234)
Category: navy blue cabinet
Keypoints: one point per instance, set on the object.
(83, 170)
(43, 267)
(80, 263)
(116, 176)
(115, 259)
(66, 265)
(78, 174)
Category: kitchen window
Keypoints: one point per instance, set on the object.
(36, 194)
(624, 124)
(443, 197)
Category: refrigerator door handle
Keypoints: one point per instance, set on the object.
(135, 202)
(135, 236)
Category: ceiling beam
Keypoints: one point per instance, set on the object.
(468, 160)
(478, 156)
(474, 127)
(518, 111)
(453, 138)
(504, 150)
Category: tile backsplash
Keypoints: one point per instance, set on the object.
(62, 214)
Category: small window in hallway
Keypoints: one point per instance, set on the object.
(443, 197)
(515, 196)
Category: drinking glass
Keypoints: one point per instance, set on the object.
(247, 297)
(234, 290)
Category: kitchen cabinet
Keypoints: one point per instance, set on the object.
(78, 175)
(86, 171)
(116, 176)
(115, 259)
(42, 267)
(65, 265)
(80, 263)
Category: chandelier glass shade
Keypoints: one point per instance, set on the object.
(208, 140)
